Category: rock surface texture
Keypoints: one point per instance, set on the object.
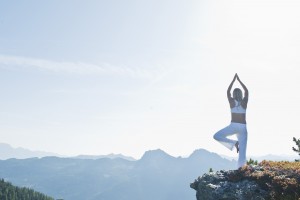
(260, 182)
(219, 186)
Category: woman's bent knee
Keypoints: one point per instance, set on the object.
(216, 136)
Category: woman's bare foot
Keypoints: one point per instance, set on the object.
(237, 146)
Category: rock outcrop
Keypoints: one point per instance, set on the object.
(268, 180)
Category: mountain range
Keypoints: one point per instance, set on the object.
(111, 156)
(7, 152)
(157, 175)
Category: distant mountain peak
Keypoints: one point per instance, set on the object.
(155, 154)
(200, 153)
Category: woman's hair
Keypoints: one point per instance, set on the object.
(238, 94)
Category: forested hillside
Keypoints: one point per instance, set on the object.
(10, 192)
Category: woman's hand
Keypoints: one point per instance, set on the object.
(237, 77)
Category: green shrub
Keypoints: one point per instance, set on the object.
(297, 149)
(252, 162)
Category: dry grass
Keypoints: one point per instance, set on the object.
(281, 165)
(280, 179)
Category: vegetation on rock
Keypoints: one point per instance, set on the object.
(280, 179)
(269, 180)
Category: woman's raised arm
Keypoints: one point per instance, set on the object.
(230, 87)
(244, 86)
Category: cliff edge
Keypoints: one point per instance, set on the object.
(266, 181)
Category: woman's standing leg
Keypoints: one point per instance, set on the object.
(242, 138)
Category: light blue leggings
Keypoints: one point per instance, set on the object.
(240, 130)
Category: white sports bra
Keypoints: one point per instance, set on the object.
(238, 108)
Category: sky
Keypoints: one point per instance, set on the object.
(99, 77)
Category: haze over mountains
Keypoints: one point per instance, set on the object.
(7, 152)
(111, 156)
(157, 175)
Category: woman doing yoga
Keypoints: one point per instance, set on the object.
(238, 106)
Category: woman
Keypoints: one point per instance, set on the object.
(238, 106)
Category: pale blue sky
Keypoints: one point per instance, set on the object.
(99, 77)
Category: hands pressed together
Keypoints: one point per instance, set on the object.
(236, 76)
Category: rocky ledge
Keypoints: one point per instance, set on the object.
(266, 181)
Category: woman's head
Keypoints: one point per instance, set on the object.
(238, 94)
